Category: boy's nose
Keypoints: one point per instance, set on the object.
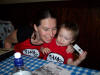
(61, 39)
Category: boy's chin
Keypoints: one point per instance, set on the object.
(59, 44)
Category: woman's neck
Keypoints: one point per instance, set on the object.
(36, 42)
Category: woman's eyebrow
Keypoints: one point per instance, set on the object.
(46, 28)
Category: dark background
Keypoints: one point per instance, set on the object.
(85, 14)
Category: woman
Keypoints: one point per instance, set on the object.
(44, 30)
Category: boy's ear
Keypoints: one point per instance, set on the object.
(72, 41)
(35, 27)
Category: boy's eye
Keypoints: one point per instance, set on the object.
(60, 35)
(54, 28)
(66, 38)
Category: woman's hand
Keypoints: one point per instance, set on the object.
(70, 49)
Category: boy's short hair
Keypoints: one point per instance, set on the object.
(72, 27)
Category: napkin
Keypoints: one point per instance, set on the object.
(51, 69)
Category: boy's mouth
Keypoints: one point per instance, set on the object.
(58, 43)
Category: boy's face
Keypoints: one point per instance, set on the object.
(65, 37)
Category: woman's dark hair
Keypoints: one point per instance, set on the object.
(43, 14)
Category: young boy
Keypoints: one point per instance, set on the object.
(56, 49)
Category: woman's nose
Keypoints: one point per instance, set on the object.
(51, 33)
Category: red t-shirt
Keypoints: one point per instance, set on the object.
(27, 48)
(58, 53)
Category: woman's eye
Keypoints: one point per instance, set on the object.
(46, 29)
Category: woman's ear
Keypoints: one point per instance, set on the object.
(35, 27)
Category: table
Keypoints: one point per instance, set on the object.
(7, 65)
(5, 50)
(5, 53)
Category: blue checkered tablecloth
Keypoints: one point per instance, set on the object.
(7, 66)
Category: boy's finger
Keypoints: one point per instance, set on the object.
(48, 51)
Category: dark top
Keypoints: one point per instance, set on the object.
(24, 33)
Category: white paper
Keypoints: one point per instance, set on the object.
(23, 73)
(78, 49)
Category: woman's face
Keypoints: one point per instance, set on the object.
(47, 29)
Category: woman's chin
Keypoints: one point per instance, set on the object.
(47, 41)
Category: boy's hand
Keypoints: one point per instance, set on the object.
(70, 49)
(82, 56)
(45, 50)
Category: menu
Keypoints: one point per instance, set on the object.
(51, 69)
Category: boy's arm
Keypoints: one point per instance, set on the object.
(45, 50)
(70, 49)
(12, 38)
(77, 61)
(71, 62)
